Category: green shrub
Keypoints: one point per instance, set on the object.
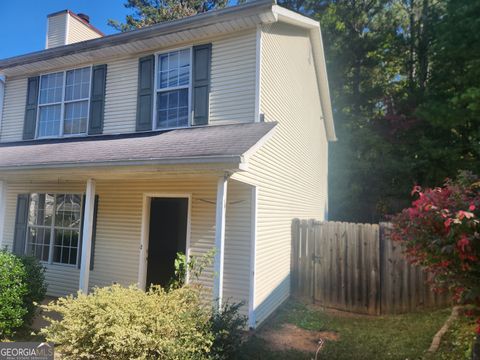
(36, 286)
(22, 284)
(127, 323)
(13, 290)
(228, 328)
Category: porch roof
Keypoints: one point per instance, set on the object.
(208, 144)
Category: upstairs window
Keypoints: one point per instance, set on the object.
(173, 89)
(63, 103)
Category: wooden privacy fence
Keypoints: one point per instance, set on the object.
(357, 268)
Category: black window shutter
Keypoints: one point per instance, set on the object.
(21, 221)
(30, 122)
(97, 99)
(146, 66)
(94, 233)
(202, 59)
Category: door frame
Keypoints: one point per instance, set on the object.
(145, 233)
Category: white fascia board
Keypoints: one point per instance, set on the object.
(248, 154)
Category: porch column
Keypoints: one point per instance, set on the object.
(87, 235)
(220, 240)
(3, 201)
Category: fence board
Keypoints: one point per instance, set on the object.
(357, 268)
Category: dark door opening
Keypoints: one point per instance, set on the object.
(168, 236)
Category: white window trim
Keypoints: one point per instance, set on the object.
(156, 90)
(52, 228)
(62, 103)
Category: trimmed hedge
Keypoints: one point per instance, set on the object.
(127, 323)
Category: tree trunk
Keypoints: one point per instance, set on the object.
(423, 43)
(411, 61)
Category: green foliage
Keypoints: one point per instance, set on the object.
(193, 268)
(127, 323)
(405, 86)
(13, 289)
(440, 231)
(149, 12)
(36, 286)
(22, 285)
(228, 327)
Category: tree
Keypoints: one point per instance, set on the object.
(405, 90)
(149, 12)
(364, 57)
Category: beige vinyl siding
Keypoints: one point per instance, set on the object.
(14, 109)
(78, 31)
(291, 169)
(232, 97)
(119, 221)
(56, 30)
(238, 243)
(121, 96)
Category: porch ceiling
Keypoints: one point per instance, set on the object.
(224, 145)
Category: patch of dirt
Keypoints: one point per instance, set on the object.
(289, 337)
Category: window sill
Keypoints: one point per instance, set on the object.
(76, 136)
(59, 265)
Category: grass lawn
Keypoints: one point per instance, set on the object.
(360, 337)
(457, 341)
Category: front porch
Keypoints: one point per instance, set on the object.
(113, 248)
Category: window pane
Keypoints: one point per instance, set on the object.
(76, 115)
(49, 120)
(173, 60)
(33, 209)
(77, 84)
(173, 69)
(184, 60)
(163, 62)
(172, 109)
(51, 88)
(67, 228)
(68, 211)
(173, 78)
(38, 243)
(184, 76)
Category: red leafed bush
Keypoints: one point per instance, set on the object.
(441, 232)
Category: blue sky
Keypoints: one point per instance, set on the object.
(24, 22)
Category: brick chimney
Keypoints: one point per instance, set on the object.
(65, 27)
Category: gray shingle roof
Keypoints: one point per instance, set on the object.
(215, 144)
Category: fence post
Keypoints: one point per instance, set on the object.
(294, 256)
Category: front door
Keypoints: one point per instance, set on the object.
(168, 235)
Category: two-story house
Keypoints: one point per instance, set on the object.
(117, 152)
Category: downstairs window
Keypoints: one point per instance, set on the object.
(53, 231)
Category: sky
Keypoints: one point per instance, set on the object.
(24, 22)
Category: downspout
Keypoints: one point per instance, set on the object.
(2, 95)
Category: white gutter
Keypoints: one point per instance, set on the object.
(234, 160)
(2, 95)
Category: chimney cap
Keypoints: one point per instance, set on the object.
(84, 17)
